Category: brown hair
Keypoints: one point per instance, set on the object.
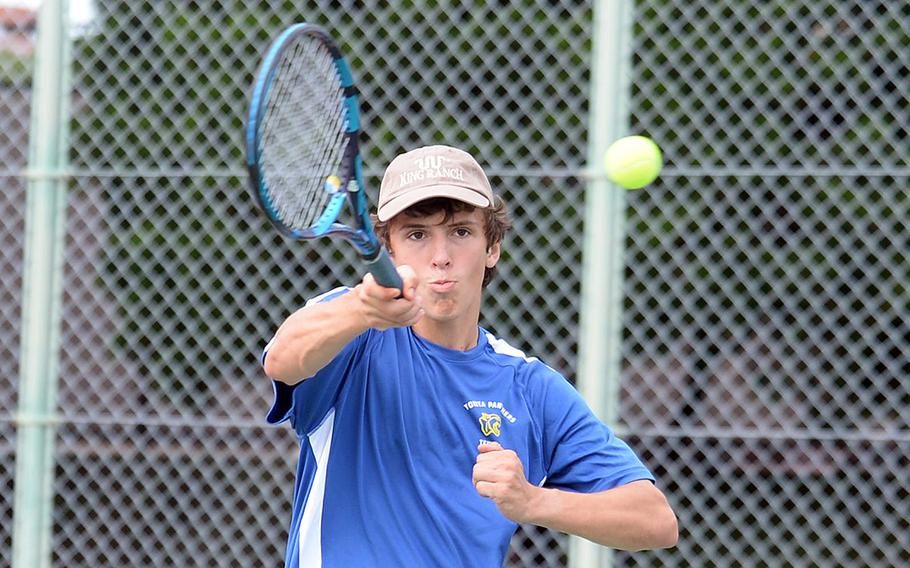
(496, 221)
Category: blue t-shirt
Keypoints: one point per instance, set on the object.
(389, 432)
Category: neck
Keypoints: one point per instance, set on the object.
(457, 336)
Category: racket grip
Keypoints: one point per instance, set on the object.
(383, 270)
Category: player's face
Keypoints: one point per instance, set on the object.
(449, 259)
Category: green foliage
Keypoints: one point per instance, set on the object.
(749, 100)
(781, 82)
(162, 92)
(15, 70)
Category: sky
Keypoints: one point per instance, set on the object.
(81, 11)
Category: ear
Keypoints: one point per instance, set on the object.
(493, 255)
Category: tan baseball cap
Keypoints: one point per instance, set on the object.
(432, 171)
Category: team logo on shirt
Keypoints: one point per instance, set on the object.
(490, 424)
(492, 417)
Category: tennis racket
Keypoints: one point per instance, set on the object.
(302, 146)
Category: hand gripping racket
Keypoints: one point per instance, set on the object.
(302, 146)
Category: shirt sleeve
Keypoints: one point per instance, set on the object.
(581, 453)
(307, 402)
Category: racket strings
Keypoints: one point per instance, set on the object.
(303, 58)
(303, 132)
(332, 132)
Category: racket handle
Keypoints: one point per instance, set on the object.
(383, 270)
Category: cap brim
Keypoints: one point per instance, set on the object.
(401, 202)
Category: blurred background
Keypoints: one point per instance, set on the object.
(764, 336)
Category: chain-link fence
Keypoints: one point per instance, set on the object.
(766, 330)
(765, 341)
(15, 68)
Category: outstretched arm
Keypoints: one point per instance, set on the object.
(634, 516)
(313, 335)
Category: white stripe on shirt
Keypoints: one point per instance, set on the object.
(309, 538)
(500, 346)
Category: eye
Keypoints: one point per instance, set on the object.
(462, 232)
(416, 235)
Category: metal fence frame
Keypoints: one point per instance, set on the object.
(741, 322)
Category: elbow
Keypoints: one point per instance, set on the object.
(270, 367)
(660, 531)
(276, 369)
(666, 533)
(664, 528)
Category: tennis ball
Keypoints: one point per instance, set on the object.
(633, 162)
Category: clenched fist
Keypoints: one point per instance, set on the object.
(499, 475)
(382, 308)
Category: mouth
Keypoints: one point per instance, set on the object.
(442, 285)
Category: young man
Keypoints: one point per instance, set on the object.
(424, 438)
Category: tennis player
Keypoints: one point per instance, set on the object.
(424, 438)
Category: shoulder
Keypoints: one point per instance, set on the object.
(544, 387)
(531, 371)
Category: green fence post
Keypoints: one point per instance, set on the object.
(600, 336)
(41, 291)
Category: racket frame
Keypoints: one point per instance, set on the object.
(362, 237)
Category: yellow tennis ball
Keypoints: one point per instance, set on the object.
(633, 162)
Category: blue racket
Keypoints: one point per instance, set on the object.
(302, 146)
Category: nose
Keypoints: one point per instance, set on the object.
(441, 256)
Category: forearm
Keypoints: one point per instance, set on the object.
(635, 516)
(311, 337)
